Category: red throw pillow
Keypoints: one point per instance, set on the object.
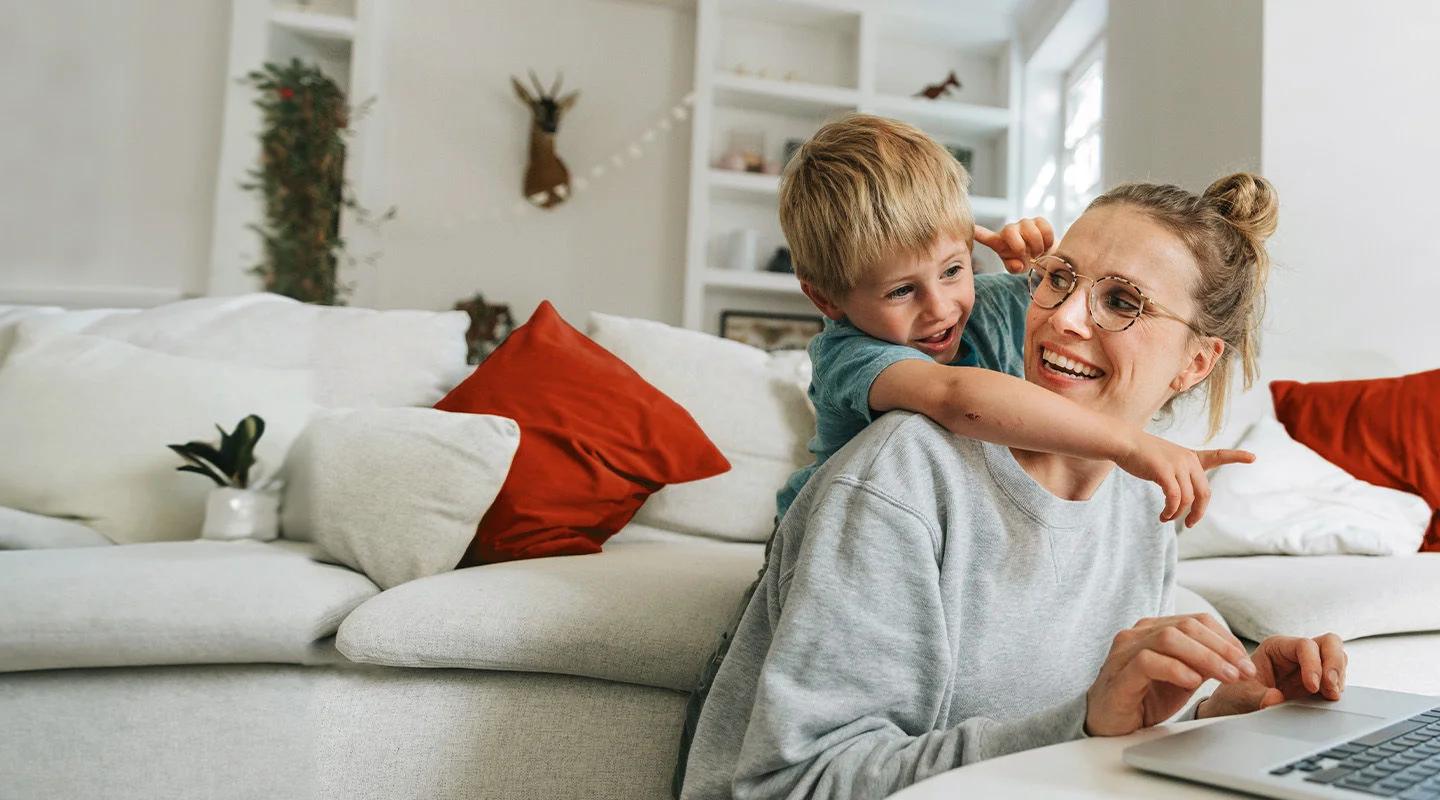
(1385, 431)
(595, 441)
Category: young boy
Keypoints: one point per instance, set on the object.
(881, 233)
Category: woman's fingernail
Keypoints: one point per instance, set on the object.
(1230, 673)
(1247, 668)
(1334, 678)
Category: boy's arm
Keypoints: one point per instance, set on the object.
(995, 407)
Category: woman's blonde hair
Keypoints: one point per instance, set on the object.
(1225, 230)
(864, 189)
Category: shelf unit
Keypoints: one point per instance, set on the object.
(821, 58)
(343, 38)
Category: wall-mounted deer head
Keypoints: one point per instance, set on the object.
(547, 181)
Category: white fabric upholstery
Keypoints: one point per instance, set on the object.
(1403, 663)
(360, 357)
(200, 602)
(1351, 596)
(21, 530)
(649, 613)
(1187, 602)
(10, 317)
(396, 492)
(332, 733)
(750, 403)
(1292, 501)
(85, 421)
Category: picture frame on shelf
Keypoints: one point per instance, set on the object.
(770, 331)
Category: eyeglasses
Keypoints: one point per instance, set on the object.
(1114, 302)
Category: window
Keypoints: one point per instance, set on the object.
(1080, 146)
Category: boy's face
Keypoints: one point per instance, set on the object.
(918, 301)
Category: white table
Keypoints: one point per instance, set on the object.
(1088, 768)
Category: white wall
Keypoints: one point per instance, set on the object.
(1182, 90)
(457, 140)
(107, 150)
(1352, 141)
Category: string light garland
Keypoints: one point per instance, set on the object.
(585, 180)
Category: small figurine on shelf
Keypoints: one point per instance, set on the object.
(942, 89)
(780, 262)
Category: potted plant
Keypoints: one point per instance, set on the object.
(238, 507)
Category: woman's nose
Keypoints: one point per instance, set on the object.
(1073, 315)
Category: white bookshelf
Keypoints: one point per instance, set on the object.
(344, 39)
(820, 58)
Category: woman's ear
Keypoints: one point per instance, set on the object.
(822, 301)
(1206, 356)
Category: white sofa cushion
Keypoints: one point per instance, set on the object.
(644, 612)
(85, 421)
(750, 403)
(10, 317)
(360, 357)
(1351, 596)
(200, 602)
(1291, 501)
(21, 530)
(395, 492)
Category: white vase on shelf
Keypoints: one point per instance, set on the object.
(232, 513)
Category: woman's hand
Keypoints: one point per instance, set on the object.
(1018, 242)
(1154, 667)
(1286, 668)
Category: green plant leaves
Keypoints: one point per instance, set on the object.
(228, 463)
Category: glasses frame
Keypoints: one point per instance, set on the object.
(1145, 300)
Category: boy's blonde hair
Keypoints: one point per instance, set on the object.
(864, 189)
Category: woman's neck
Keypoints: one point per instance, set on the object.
(1063, 476)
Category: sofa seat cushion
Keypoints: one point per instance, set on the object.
(642, 612)
(196, 602)
(1351, 596)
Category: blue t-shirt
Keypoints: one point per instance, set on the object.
(846, 361)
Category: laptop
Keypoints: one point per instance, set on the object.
(1369, 743)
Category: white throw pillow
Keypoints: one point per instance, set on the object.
(85, 421)
(21, 530)
(751, 404)
(396, 493)
(360, 357)
(1291, 501)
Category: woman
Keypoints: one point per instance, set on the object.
(931, 601)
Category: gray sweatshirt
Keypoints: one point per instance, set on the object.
(926, 604)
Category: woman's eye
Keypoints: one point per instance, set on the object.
(903, 291)
(1123, 302)
(1060, 282)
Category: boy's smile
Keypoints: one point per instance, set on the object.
(917, 300)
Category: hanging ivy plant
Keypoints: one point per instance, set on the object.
(301, 178)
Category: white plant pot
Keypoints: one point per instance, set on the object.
(241, 514)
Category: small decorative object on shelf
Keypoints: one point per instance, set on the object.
(792, 146)
(547, 180)
(962, 154)
(489, 325)
(234, 509)
(302, 180)
(746, 153)
(743, 250)
(780, 261)
(937, 90)
(770, 331)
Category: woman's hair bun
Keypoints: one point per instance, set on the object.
(1248, 202)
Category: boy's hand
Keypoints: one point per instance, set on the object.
(1018, 242)
(1179, 471)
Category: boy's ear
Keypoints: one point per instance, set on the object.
(822, 301)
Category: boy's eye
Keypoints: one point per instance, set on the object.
(903, 291)
(952, 271)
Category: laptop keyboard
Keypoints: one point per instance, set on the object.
(1401, 760)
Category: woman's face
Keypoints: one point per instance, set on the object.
(1127, 374)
